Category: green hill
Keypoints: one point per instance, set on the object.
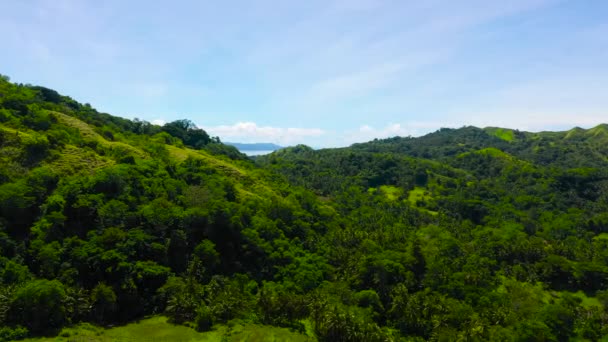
(563, 149)
(119, 229)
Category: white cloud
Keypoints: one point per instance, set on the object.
(251, 132)
(159, 122)
(367, 132)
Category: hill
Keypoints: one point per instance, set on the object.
(576, 147)
(463, 234)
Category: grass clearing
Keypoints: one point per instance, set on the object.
(587, 302)
(494, 152)
(252, 187)
(420, 195)
(15, 132)
(158, 329)
(599, 130)
(391, 192)
(73, 160)
(85, 130)
(249, 185)
(89, 133)
(181, 154)
(501, 133)
(262, 333)
(490, 151)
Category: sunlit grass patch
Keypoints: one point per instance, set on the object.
(158, 329)
(73, 160)
(501, 133)
(391, 192)
(418, 197)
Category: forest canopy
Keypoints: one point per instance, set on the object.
(481, 234)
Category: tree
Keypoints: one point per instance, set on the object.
(104, 303)
(17, 206)
(204, 318)
(36, 148)
(187, 131)
(206, 252)
(183, 297)
(177, 250)
(279, 306)
(14, 273)
(39, 305)
(339, 323)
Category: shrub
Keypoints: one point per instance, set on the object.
(204, 318)
(12, 333)
(39, 305)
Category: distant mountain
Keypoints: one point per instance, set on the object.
(255, 146)
(573, 148)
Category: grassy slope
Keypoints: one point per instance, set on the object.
(502, 133)
(420, 194)
(14, 131)
(391, 192)
(249, 185)
(74, 160)
(158, 329)
(88, 133)
(489, 151)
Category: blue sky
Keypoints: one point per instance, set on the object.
(323, 73)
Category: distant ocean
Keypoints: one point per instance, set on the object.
(257, 153)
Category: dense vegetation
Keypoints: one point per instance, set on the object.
(467, 234)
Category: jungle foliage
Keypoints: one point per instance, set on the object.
(463, 234)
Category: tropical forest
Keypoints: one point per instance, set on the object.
(108, 224)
